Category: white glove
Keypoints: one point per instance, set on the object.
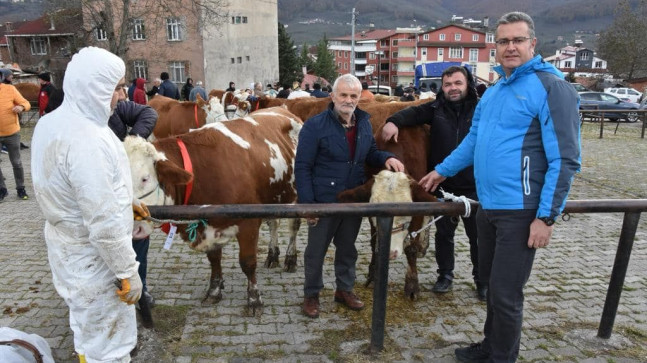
(131, 289)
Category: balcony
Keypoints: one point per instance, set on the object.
(360, 60)
(406, 43)
(411, 58)
(405, 73)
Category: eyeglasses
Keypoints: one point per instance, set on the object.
(516, 41)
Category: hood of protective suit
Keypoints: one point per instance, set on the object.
(89, 90)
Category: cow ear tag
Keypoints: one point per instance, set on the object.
(171, 235)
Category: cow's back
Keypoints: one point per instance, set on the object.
(174, 117)
(29, 91)
(242, 161)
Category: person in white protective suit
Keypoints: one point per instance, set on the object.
(82, 182)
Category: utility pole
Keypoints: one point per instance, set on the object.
(352, 42)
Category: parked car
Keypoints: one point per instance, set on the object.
(384, 90)
(605, 101)
(579, 88)
(625, 94)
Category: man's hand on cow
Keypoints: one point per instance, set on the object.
(394, 164)
(140, 210)
(431, 181)
(540, 234)
(390, 131)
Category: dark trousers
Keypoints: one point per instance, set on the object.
(444, 242)
(141, 251)
(12, 142)
(505, 261)
(343, 233)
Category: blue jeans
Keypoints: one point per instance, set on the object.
(12, 142)
(505, 261)
(141, 251)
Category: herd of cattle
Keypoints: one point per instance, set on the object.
(197, 155)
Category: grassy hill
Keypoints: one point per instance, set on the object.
(308, 21)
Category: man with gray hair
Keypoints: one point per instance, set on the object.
(333, 148)
(524, 144)
(198, 90)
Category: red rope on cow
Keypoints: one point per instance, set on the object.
(188, 166)
(195, 113)
(258, 104)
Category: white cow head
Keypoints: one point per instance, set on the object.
(393, 187)
(149, 169)
(214, 109)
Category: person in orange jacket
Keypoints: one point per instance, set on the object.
(12, 103)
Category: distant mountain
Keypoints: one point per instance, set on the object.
(557, 22)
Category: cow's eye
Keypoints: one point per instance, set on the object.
(145, 179)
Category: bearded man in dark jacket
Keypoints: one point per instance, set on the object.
(450, 118)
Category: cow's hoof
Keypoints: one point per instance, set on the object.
(290, 264)
(411, 288)
(214, 294)
(254, 302)
(272, 258)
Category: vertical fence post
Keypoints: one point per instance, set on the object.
(601, 123)
(627, 235)
(644, 119)
(384, 225)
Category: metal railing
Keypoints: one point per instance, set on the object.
(599, 116)
(384, 212)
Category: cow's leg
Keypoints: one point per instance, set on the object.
(248, 249)
(273, 251)
(423, 238)
(411, 287)
(216, 283)
(290, 264)
(372, 266)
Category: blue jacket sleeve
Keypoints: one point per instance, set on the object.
(463, 155)
(140, 118)
(560, 128)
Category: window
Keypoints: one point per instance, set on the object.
(138, 30)
(339, 54)
(140, 69)
(346, 54)
(456, 53)
(38, 46)
(238, 20)
(101, 34)
(394, 66)
(492, 53)
(584, 56)
(174, 29)
(176, 72)
(441, 36)
(457, 36)
(338, 65)
(598, 64)
(394, 42)
(474, 55)
(244, 20)
(567, 64)
(425, 37)
(239, 59)
(475, 37)
(441, 52)
(247, 58)
(423, 51)
(371, 55)
(345, 65)
(394, 55)
(383, 43)
(233, 60)
(489, 37)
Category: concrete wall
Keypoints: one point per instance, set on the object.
(252, 45)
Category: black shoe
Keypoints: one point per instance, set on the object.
(22, 194)
(3, 193)
(443, 285)
(472, 354)
(149, 299)
(23, 146)
(481, 291)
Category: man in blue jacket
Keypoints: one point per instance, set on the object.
(333, 147)
(524, 144)
(168, 88)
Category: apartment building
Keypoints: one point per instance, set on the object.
(393, 54)
(243, 48)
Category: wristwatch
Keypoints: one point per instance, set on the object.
(547, 220)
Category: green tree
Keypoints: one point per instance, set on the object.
(624, 44)
(325, 64)
(304, 59)
(289, 68)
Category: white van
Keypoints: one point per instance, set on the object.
(384, 90)
(625, 94)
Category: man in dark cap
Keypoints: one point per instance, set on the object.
(46, 90)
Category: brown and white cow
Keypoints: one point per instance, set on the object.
(412, 149)
(177, 117)
(243, 161)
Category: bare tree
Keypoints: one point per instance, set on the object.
(624, 43)
(116, 17)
